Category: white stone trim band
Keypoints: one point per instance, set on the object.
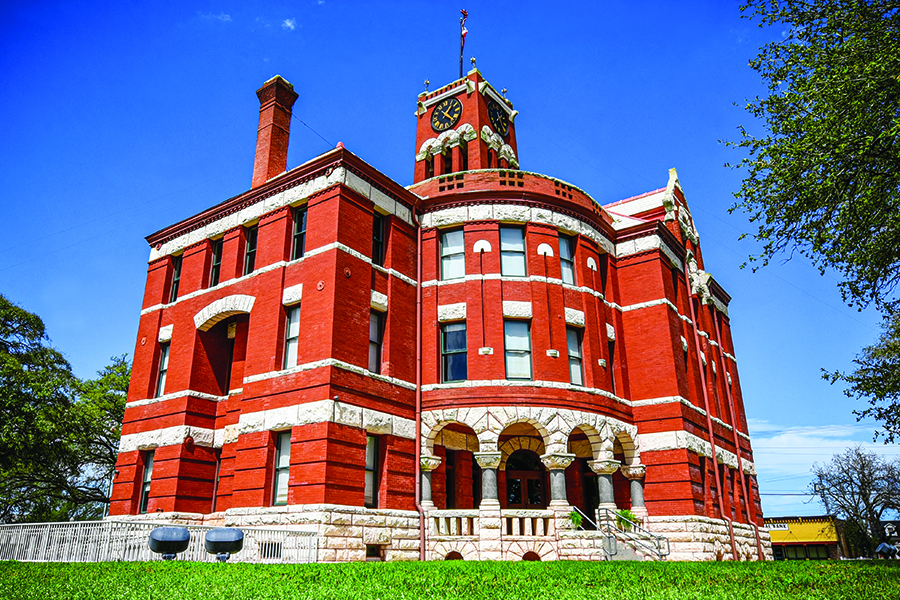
(282, 264)
(181, 394)
(329, 362)
(168, 436)
(682, 440)
(292, 195)
(515, 213)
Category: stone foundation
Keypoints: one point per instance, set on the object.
(345, 531)
(701, 538)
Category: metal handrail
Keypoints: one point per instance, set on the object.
(610, 544)
(644, 539)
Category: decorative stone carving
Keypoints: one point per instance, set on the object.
(557, 460)
(488, 460)
(429, 463)
(604, 467)
(634, 471)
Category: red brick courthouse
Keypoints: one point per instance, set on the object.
(329, 347)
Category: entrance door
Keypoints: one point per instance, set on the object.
(526, 485)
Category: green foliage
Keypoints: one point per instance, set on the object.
(876, 379)
(575, 519)
(824, 178)
(624, 519)
(859, 487)
(872, 580)
(58, 435)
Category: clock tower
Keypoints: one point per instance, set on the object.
(465, 125)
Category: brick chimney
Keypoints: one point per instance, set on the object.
(276, 97)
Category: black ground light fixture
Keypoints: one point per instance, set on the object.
(886, 550)
(169, 541)
(224, 541)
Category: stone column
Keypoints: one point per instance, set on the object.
(489, 462)
(635, 474)
(428, 464)
(557, 463)
(490, 520)
(604, 468)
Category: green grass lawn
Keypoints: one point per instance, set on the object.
(862, 580)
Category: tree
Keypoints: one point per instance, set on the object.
(58, 435)
(824, 180)
(859, 487)
(876, 379)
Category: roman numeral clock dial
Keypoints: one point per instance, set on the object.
(446, 114)
(499, 118)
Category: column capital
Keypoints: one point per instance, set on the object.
(488, 460)
(557, 460)
(604, 467)
(429, 463)
(634, 471)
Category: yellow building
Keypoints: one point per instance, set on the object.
(804, 538)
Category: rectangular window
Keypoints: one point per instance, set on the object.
(250, 234)
(517, 341)
(453, 352)
(215, 268)
(163, 368)
(145, 480)
(453, 255)
(298, 244)
(282, 468)
(512, 251)
(371, 492)
(463, 155)
(376, 335)
(429, 168)
(176, 277)
(448, 162)
(567, 259)
(573, 340)
(378, 239)
(291, 336)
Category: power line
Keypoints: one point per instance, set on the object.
(330, 145)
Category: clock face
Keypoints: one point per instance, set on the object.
(446, 114)
(499, 118)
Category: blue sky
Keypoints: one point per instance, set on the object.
(120, 118)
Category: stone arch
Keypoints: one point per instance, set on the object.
(436, 434)
(468, 550)
(519, 443)
(547, 435)
(595, 442)
(519, 549)
(221, 309)
(629, 448)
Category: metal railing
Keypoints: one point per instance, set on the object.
(100, 541)
(632, 533)
(609, 543)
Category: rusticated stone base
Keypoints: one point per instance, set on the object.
(701, 538)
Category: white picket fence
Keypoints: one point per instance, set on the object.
(99, 541)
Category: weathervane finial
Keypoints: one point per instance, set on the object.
(426, 84)
(462, 38)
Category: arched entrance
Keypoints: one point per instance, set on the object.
(527, 482)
